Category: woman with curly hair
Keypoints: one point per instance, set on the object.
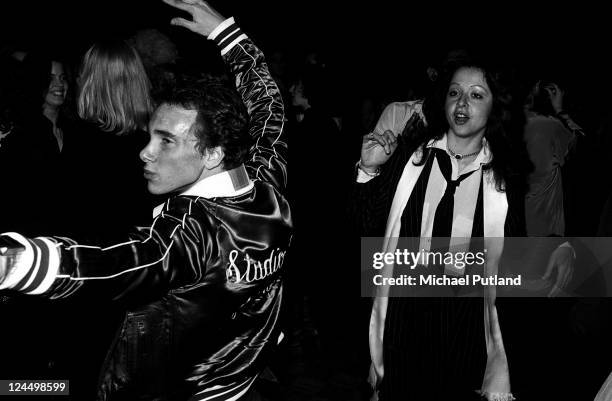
(442, 168)
(550, 135)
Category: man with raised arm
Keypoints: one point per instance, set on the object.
(202, 283)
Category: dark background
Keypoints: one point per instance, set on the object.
(377, 44)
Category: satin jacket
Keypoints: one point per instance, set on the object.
(204, 281)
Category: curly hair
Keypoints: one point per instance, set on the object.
(222, 118)
(509, 161)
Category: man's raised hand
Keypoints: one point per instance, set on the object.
(204, 18)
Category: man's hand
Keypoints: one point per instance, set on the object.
(376, 149)
(10, 250)
(561, 260)
(204, 18)
(6, 263)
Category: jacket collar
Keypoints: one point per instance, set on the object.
(228, 183)
(225, 184)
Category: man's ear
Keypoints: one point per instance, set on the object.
(213, 157)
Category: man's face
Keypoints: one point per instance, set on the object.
(172, 162)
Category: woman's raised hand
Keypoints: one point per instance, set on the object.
(376, 149)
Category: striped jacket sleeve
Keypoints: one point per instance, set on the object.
(268, 156)
(145, 263)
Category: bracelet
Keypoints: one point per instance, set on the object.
(374, 174)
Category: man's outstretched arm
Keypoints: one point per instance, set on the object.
(148, 262)
(268, 157)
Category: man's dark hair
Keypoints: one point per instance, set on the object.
(222, 118)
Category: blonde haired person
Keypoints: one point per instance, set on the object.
(95, 188)
(114, 88)
(115, 104)
(101, 192)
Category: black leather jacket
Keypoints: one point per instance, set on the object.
(204, 280)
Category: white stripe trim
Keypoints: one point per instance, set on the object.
(118, 245)
(151, 230)
(220, 28)
(122, 272)
(234, 43)
(100, 248)
(52, 267)
(174, 231)
(240, 394)
(83, 246)
(35, 267)
(218, 396)
(215, 387)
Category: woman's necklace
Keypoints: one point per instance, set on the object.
(460, 156)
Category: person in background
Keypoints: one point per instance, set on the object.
(56, 154)
(159, 56)
(114, 103)
(312, 324)
(40, 123)
(43, 122)
(549, 136)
